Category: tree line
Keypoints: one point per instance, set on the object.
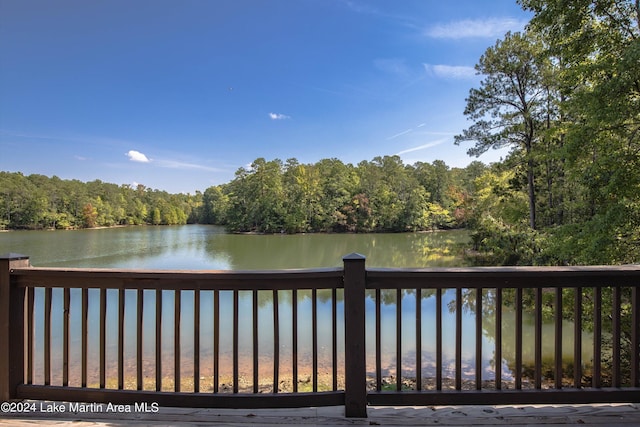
(40, 202)
(268, 197)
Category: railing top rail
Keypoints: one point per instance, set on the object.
(329, 278)
(326, 278)
(166, 272)
(503, 277)
(535, 270)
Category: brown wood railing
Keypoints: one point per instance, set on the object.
(478, 290)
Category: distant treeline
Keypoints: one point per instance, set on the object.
(270, 196)
(40, 202)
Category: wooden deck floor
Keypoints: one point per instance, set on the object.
(547, 415)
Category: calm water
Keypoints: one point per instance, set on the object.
(203, 247)
(209, 247)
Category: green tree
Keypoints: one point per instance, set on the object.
(303, 193)
(508, 107)
(156, 217)
(417, 210)
(383, 184)
(257, 198)
(338, 184)
(598, 43)
(215, 204)
(501, 235)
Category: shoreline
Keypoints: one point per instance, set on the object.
(265, 384)
(102, 227)
(245, 233)
(305, 385)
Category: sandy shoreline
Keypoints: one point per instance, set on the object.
(324, 376)
(285, 383)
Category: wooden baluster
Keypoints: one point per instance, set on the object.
(121, 302)
(398, 339)
(139, 355)
(577, 339)
(558, 339)
(538, 339)
(418, 339)
(103, 345)
(276, 342)
(518, 373)
(196, 341)
(498, 333)
(439, 339)
(255, 341)
(176, 340)
(158, 339)
(478, 338)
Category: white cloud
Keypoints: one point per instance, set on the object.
(136, 156)
(423, 147)
(277, 116)
(451, 71)
(475, 28)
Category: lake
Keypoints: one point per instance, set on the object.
(203, 247)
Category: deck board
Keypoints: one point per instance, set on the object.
(547, 415)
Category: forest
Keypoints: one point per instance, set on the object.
(270, 197)
(563, 95)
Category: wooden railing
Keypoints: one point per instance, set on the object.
(482, 291)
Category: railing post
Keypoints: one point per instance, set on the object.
(11, 327)
(354, 321)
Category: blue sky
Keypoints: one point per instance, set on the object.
(178, 94)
